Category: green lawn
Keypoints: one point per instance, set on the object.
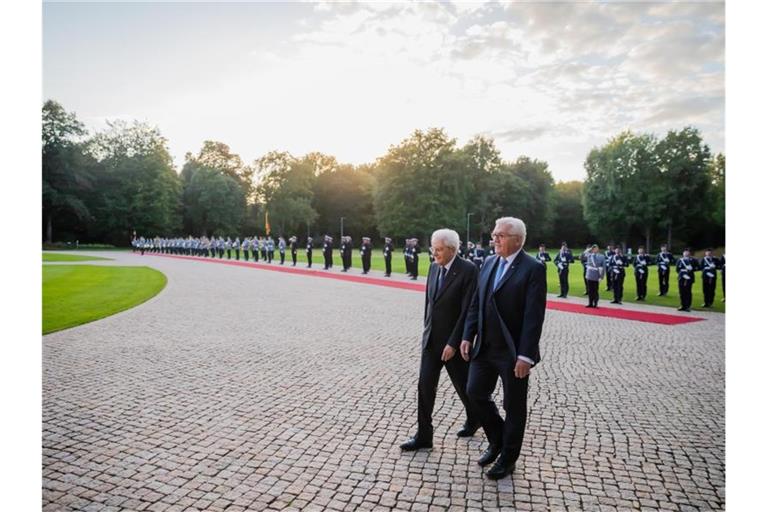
(53, 256)
(77, 294)
(553, 283)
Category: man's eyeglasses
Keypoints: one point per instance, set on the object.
(501, 235)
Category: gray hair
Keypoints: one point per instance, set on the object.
(513, 225)
(449, 237)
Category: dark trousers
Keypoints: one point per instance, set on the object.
(484, 372)
(684, 287)
(641, 280)
(663, 281)
(408, 266)
(429, 377)
(709, 285)
(608, 280)
(564, 282)
(229, 254)
(388, 265)
(270, 255)
(237, 254)
(366, 263)
(415, 267)
(282, 257)
(618, 286)
(309, 259)
(255, 255)
(245, 254)
(593, 292)
(293, 257)
(328, 261)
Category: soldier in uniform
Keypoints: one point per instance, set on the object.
(365, 254)
(563, 259)
(686, 275)
(343, 247)
(294, 243)
(408, 256)
(708, 265)
(246, 248)
(327, 252)
(543, 255)
(343, 253)
(641, 262)
(263, 248)
(270, 249)
(462, 251)
(470, 251)
(281, 249)
(388, 250)
(236, 247)
(479, 257)
(609, 252)
(309, 252)
(595, 269)
(228, 247)
(664, 260)
(618, 266)
(415, 251)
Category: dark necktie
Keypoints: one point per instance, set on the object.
(440, 280)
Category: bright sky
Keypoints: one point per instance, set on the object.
(549, 81)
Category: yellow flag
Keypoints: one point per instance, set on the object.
(266, 222)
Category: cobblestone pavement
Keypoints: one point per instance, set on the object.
(243, 389)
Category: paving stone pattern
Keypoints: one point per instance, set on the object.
(241, 389)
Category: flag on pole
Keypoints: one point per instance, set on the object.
(266, 222)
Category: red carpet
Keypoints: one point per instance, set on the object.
(569, 307)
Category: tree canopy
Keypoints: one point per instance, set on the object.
(103, 187)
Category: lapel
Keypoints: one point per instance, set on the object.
(448, 278)
(486, 277)
(434, 272)
(513, 266)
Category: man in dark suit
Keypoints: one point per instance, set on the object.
(451, 283)
(507, 316)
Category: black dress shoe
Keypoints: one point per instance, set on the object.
(467, 430)
(503, 467)
(489, 455)
(415, 443)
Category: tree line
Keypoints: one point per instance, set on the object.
(639, 189)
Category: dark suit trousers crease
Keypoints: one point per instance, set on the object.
(429, 377)
(484, 371)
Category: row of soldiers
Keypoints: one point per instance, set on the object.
(213, 247)
(265, 246)
(616, 263)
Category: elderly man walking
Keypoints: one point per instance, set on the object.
(506, 318)
(451, 283)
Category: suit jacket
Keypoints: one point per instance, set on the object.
(444, 315)
(519, 301)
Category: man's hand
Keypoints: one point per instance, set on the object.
(522, 369)
(465, 347)
(448, 353)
